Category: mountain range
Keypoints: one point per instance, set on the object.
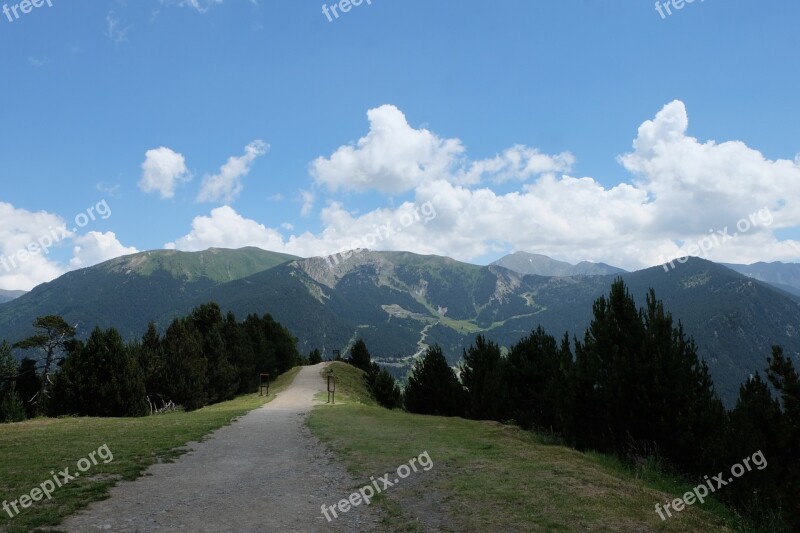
(7, 296)
(400, 302)
(541, 265)
(785, 276)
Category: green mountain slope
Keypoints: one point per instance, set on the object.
(400, 303)
(129, 291)
(541, 265)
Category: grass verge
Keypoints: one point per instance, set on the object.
(31, 449)
(491, 477)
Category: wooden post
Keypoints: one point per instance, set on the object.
(331, 388)
(263, 384)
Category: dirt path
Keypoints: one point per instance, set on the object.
(264, 472)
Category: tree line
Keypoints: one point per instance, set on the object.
(203, 358)
(634, 387)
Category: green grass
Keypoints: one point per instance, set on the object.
(491, 477)
(30, 450)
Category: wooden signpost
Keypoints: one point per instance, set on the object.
(331, 388)
(264, 384)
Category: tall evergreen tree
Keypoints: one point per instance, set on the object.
(756, 424)
(360, 356)
(222, 375)
(186, 366)
(51, 339)
(11, 406)
(537, 374)
(433, 388)
(640, 387)
(784, 377)
(240, 353)
(101, 378)
(314, 357)
(154, 365)
(482, 374)
(385, 389)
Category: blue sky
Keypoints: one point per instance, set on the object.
(251, 122)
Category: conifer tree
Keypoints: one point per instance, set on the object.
(433, 387)
(482, 374)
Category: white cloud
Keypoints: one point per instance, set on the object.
(308, 199)
(227, 184)
(517, 163)
(225, 228)
(23, 263)
(201, 6)
(96, 247)
(27, 240)
(675, 189)
(114, 29)
(163, 171)
(394, 157)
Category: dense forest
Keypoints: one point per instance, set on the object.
(201, 359)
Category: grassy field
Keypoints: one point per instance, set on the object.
(30, 450)
(490, 477)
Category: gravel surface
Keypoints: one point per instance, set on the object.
(264, 472)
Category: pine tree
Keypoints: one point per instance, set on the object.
(223, 379)
(537, 373)
(756, 424)
(101, 378)
(360, 356)
(784, 378)
(314, 357)
(640, 388)
(433, 387)
(186, 366)
(154, 365)
(386, 391)
(482, 374)
(240, 353)
(11, 406)
(51, 339)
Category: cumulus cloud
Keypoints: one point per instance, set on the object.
(27, 242)
(227, 184)
(163, 171)
(225, 228)
(696, 187)
(96, 247)
(674, 191)
(24, 234)
(516, 163)
(395, 157)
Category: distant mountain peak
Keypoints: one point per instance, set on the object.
(785, 276)
(542, 265)
(218, 265)
(7, 296)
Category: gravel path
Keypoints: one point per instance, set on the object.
(264, 472)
